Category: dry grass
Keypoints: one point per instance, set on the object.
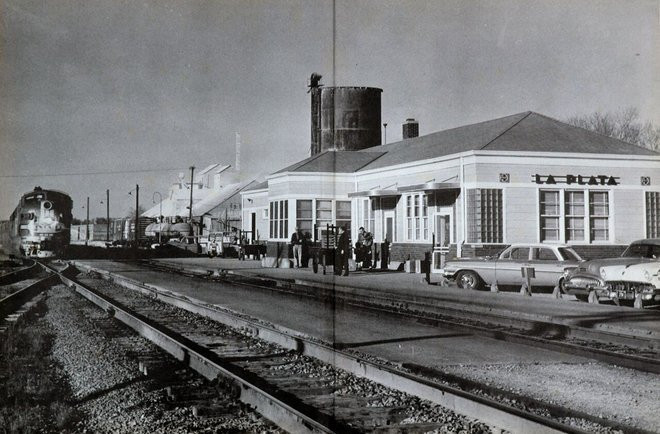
(34, 393)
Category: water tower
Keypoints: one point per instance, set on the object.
(345, 118)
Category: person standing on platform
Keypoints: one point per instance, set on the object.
(358, 248)
(343, 251)
(367, 244)
(297, 243)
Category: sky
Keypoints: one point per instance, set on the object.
(148, 88)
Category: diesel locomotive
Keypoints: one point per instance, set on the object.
(40, 225)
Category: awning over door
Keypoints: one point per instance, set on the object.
(430, 186)
(376, 192)
(427, 187)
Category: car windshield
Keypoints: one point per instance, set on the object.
(642, 250)
(569, 254)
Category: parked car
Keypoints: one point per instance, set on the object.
(632, 276)
(549, 263)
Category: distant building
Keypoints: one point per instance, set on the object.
(216, 200)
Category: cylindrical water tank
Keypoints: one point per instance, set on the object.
(345, 118)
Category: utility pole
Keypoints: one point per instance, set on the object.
(137, 215)
(160, 215)
(107, 215)
(87, 224)
(190, 214)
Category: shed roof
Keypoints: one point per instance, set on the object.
(216, 198)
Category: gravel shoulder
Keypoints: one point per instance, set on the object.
(610, 392)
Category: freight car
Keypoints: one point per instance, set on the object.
(40, 225)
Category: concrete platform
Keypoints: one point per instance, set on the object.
(411, 287)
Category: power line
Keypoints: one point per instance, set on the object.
(107, 172)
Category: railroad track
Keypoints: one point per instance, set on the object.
(29, 269)
(473, 405)
(11, 306)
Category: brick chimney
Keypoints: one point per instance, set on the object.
(410, 128)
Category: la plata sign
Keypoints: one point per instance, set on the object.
(576, 179)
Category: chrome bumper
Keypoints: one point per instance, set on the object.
(584, 285)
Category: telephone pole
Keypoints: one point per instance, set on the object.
(87, 224)
(107, 215)
(137, 215)
(190, 214)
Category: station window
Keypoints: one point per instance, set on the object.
(304, 216)
(599, 214)
(343, 217)
(279, 219)
(417, 217)
(368, 207)
(574, 206)
(484, 211)
(331, 212)
(652, 214)
(323, 212)
(573, 209)
(549, 215)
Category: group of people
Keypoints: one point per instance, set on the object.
(363, 248)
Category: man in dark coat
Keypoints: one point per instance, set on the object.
(343, 252)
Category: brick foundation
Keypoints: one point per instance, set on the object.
(599, 252)
(401, 252)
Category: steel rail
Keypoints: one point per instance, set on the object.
(468, 404)
(285, 411)
(11, 303)
(23, 273)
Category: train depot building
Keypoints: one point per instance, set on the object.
(463, 192)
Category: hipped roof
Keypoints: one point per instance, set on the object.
(523, 132)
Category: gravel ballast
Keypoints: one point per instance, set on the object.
(626, 397)
(606, 391)
(296, 373)
(100, 359)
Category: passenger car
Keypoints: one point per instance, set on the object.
(548, 261)
(632, 276)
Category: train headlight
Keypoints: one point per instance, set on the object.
(647, 275)
(47, 204)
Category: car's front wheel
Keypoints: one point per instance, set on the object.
(468, 280)
(562, 286)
